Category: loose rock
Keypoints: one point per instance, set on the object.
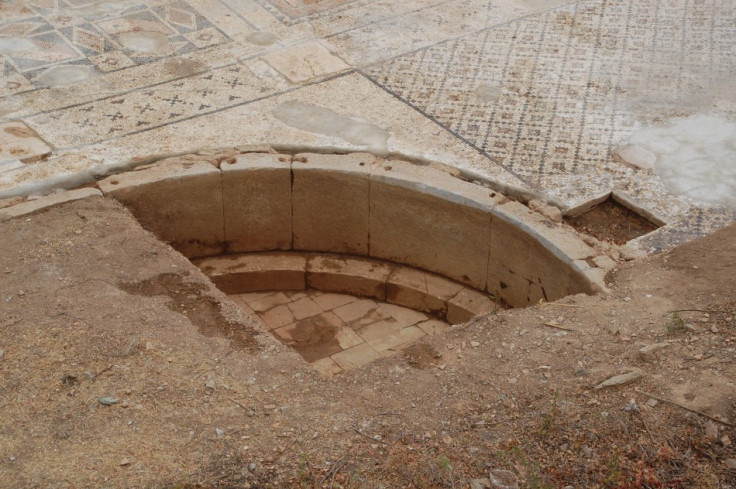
(711, 431)
(503, 479)
(108, 401)
(631, 375)
(480, 484)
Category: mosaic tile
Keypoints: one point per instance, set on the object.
(62, 35)
(291, 11)
(305, 62)
(152, 107)
(19, 142)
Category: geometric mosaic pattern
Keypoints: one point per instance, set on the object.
(566, 80)
(549, 97)
(155, 106)
(63, 35)
(292, 11)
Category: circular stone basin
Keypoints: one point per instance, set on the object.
(389, 231)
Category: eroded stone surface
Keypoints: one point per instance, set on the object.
(338, 332)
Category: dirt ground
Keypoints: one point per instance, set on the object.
(122, 366)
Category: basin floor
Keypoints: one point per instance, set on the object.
(337, 332)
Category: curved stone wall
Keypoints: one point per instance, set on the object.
(360, 205)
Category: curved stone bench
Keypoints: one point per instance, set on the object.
(359, 276)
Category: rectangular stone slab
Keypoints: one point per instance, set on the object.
(178, 200)
(330, 202)
(445, 234)
(257, 202)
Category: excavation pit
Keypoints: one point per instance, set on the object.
(613, 220)
(413, 247)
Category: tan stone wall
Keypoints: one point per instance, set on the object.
(360, 205)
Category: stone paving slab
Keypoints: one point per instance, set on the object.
(336, 332)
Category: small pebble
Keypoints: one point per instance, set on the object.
(108, 401)
(251, 466)
(219, 432)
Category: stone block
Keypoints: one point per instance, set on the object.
(433, 326)
(360, 313)
(304, 308)
(31, 206)
(180, 202)
(20, 142)
(347, 338)
(356, 356)
(403, 315)
(420, 290)
(329, 302)
(379, 329)
(330, 202)
(256, 189)
(326, 366)
(278, 317)
(253, 272)
(261, 302)
(426, 218)
(468, 304)
(525, 247)
(354, 276)
(398, 339)
(303, 62)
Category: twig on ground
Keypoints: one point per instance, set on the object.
(695, 411)
(557, 326)
(238, 403)
(369, 436)
(102, 372)
(701, 310)
(332, 472)
(282, 452)
(641, 417)
(542, 303)
(696, 360)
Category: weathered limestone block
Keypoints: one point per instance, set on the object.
(256, 191)
(347, 275)
(426, 218)
(254, 272)
(31, 206)
(179, 201)
(330, 202)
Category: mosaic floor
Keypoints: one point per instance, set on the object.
(337, 332)
(531, 94)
